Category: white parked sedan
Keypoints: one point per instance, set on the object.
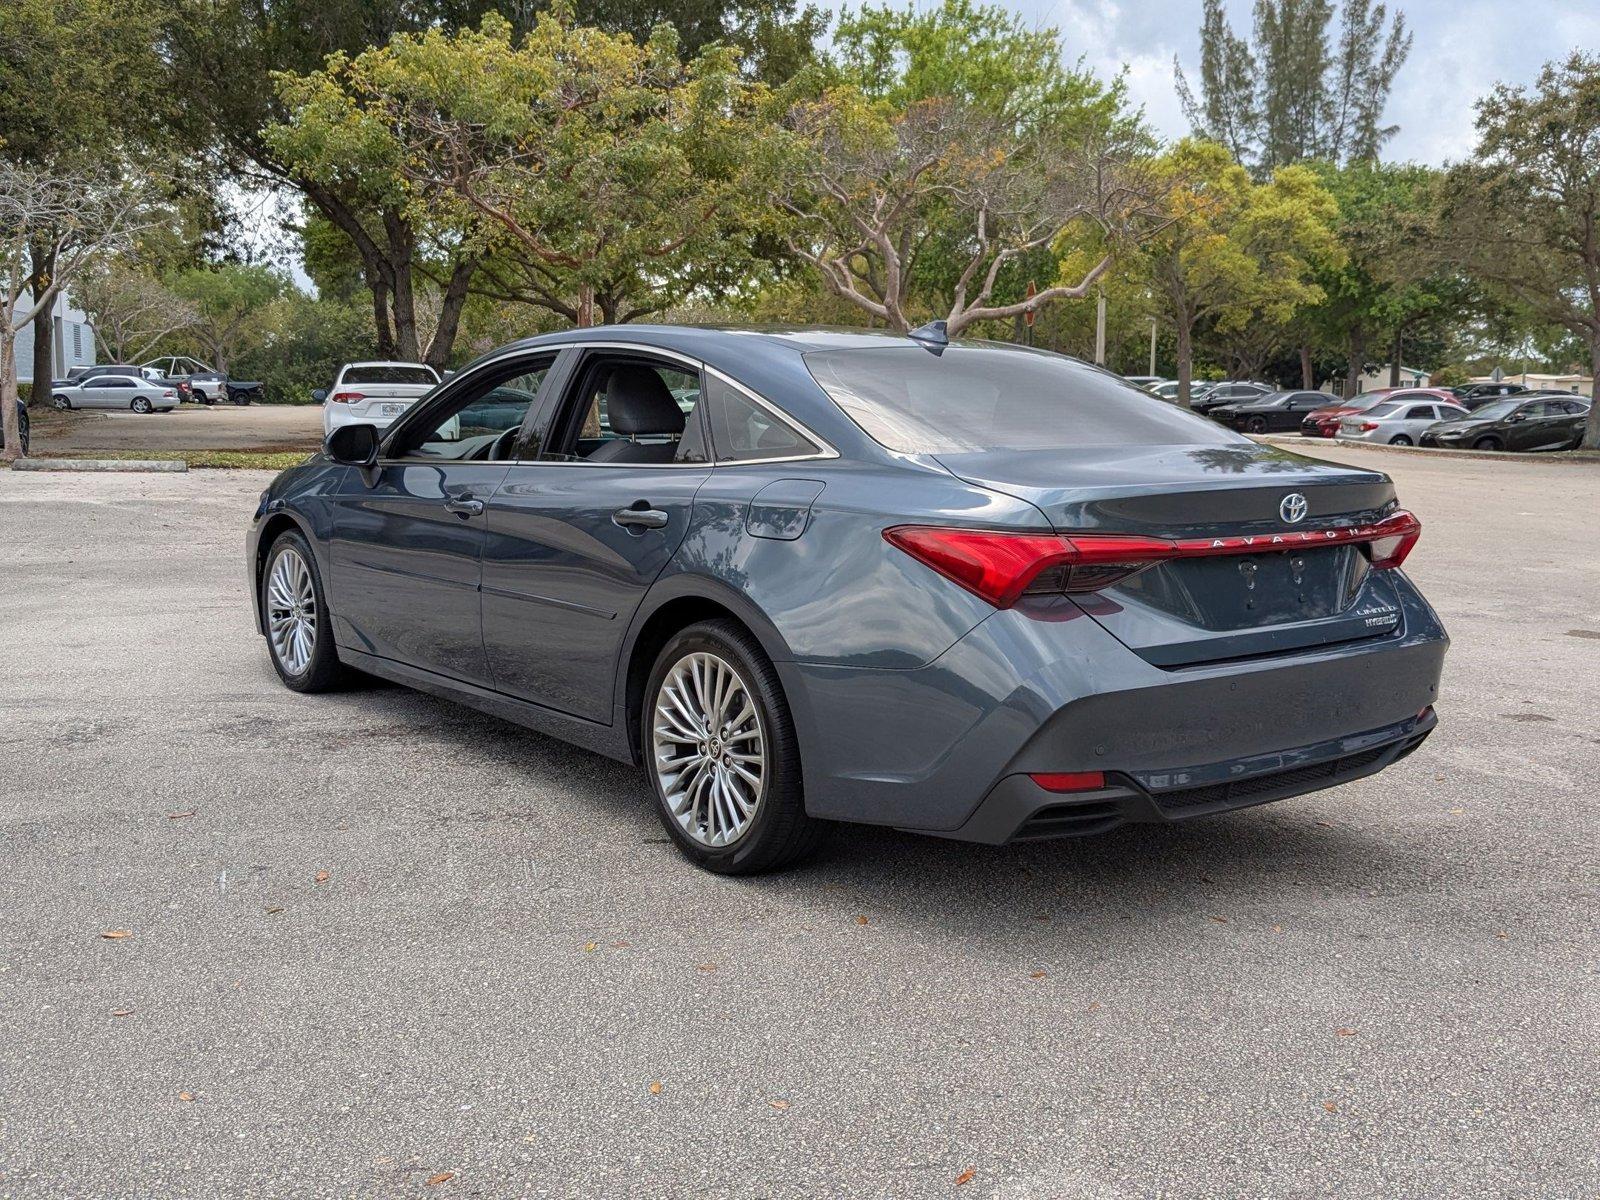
(115, 391)
(1398, 422)
(373, 393)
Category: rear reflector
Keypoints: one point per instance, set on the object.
(1002, 567)
(1070, 781)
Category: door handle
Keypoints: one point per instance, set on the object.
(464, 506)
(640, 518)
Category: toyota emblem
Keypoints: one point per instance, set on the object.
(1293, 508)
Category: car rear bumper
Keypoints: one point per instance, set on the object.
(926, 748)
(335, 416)
(1018, 809)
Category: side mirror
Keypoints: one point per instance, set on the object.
(319, 396)
(1517, 416)
(353, 445)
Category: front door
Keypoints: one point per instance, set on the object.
(576, 536)
(408, 535)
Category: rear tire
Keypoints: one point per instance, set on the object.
(62, 404)
(302, 651)
(141, 406)
(1400, 439)
(725, 766)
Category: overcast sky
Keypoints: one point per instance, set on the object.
(1461, 48)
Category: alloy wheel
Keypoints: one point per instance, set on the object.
(709, 749)
(292, 612)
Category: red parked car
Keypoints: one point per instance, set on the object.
(1324, 422)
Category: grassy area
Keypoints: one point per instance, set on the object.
(251, 460)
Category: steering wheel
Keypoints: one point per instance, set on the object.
(500, 448)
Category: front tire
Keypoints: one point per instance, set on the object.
(721, 752)
(299, 634)
(1256, 425)
(1486, 444)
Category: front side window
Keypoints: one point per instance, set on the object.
(988, 398)
(483, 422)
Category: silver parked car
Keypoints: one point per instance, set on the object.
(129, 391)
(1398, 422)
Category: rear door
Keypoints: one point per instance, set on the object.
(583, 525)
(109, 391)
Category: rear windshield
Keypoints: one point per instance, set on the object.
(991, 398)
(382, 374)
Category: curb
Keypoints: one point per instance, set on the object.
(167, 465)
(1306, 443)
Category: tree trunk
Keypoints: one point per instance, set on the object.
(402, 296)
(455, 296)
(43, 265)
(1394, 358)
(1308, 380)
(1591, 428)
(12, 447)
(1356, 349)
(1185, 352)
(383, 331)
(585, 306)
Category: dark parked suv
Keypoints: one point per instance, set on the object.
(1534, 422)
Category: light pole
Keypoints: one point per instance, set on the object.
(1100, 330)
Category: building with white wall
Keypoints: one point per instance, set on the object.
(74, 339)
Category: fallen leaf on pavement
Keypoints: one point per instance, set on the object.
(122, 1012)
(780, 1105)
(178, 816)
(590, 947)
(112, 935)
(1345, 1032)
(274, 909)
(1330, 1106)
(187, 1097)
(441, 1177)
(1502, 936)
(965, 1176)
(1220, 920)
(1277, 929)
(655, 1088)
(1038, 975)
(708, 967)
(1458, 812)
(322, 877)
(619, 945)
(861, 920)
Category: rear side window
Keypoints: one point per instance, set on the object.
(1382, 410)
(387, 374)
(1421, 412)
(741, 430)
(988, 398)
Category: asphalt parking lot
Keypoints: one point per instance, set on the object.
(380, 945)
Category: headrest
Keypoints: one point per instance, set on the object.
(637, 401)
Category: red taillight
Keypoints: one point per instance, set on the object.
(1393, 538)
(1003, 567)
(347, 397)
(168, 394)
(1368, 426)
(1069, 781)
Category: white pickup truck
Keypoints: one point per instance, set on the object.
(373, 393)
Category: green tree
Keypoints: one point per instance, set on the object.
(1237, 255)
(78, 86)
(596, 177)
(228, 303)
(1525, 213)
(1295, 92)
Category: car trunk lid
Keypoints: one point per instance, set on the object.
(1305, 586)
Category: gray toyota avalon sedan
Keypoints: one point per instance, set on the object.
(806, 577)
